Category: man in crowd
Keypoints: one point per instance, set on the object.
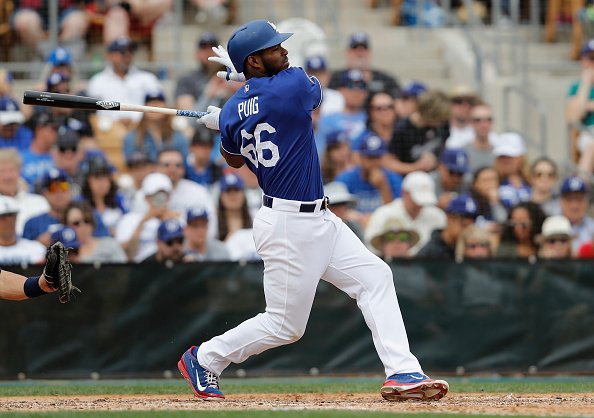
(12, 131)
(449, 175)
(38, 158)
(198, 246)
(574, 206)
(15, 250)
(170, 243)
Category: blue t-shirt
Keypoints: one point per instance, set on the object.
(353, 124)
(35, 165)
(369, 198)
(268, 122)
(150, 146)
(40, 224)
(21, 141)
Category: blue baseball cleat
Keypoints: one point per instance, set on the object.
(204, 384)
(416, 386)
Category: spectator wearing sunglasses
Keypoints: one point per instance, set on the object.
(198, 247)
(170, 243)
(449, 175)
(68, 155)
(480, 149)
(510, 153)
(555, 239)
(395, 240)
(575, 206)
(462, 99)
(518, 238)
(474, 243)
(543, 181)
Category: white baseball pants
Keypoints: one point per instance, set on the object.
(298, 249)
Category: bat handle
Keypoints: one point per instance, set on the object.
(190, 113)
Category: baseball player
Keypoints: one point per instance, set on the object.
(267, 125)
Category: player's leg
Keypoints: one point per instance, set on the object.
(294, 247)
(368, 279)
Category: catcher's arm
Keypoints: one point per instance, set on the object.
(57, 272)
(15, 286)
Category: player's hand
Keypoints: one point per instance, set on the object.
(211, 119)
(222, 57)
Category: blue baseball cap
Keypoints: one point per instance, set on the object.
(353, 79)
(155, 95)
(56, 78)
(456, 160)
(66, 236)
(196, 213)
(60, 56)
(359, 39)
(463, 205)
(315, 63)
(336, 137)
(372, 146)
(573, 184)
(52, 175)
(231, 181)
(414, 89)
(170, 229)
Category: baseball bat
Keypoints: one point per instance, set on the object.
(41, 98)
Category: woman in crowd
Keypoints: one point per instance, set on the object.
(519, 235)
(474, 242)
(543, 180)
(101, 191)
(381, 117)
(555, 239)
(337, 156)
(233, 211)
(154, 132)
(79, 217)
(485, 191)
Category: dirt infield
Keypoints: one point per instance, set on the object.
(476, 403)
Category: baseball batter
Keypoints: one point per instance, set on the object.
(267, 125)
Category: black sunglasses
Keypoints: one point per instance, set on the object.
(171, 242)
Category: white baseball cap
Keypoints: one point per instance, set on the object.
(509, 144)
(156, 182)
(338, 193)
(8, 205)
(556, 226)
(421, 188)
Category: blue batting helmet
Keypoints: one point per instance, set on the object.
(251, 37)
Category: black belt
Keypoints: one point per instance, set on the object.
(305, 207)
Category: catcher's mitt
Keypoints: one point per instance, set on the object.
(57, 272)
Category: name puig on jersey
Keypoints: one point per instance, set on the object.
(248, 107)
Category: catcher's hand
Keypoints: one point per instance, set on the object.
(57, 272)
(222, 57)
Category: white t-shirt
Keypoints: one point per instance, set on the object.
(460, 137)
(30, 205)
(24, 251)
(132, 89)
(241, 246)
(429, 219)
(147, 243)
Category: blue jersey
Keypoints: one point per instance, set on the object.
(268, 122)
(368, 197)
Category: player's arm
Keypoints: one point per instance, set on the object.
(234, 160)
(14, 286)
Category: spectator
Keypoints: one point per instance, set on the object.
(191, 85)
(474, 243)
(80, 216)
(332, 100)
(139, 166)
(519, 234)
(336, 158)
(233, 212)
(122, 82)
(370, 182)
(252, 190)
(580, 98)
(131, 16)
(555, 239)
(67, 236)
(12, 131)
(395, 240)
(100, 191)
(29, 204)
(137, 231)
(38, 158)
(353, 118)
(543, 182)
(509, 162)
(449, 175)
(462, 99)
(480, 148)
(484, 190)
(418, 139)
(68, 156)
(574, 206)
(358, 56)
(342, 203)
(405, 103)
(170, 243)
(198, 246)
(416, 209)
(15, 250)
(381, 118)
(461, 213)
(200, 167)
(6, 83)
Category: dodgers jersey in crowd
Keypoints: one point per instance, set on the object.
(268, 122)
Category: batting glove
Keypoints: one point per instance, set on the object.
(211, 119)
(224, 59)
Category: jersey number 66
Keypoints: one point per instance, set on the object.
(253, 148)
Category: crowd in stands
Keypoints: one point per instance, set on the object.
(414, 171)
